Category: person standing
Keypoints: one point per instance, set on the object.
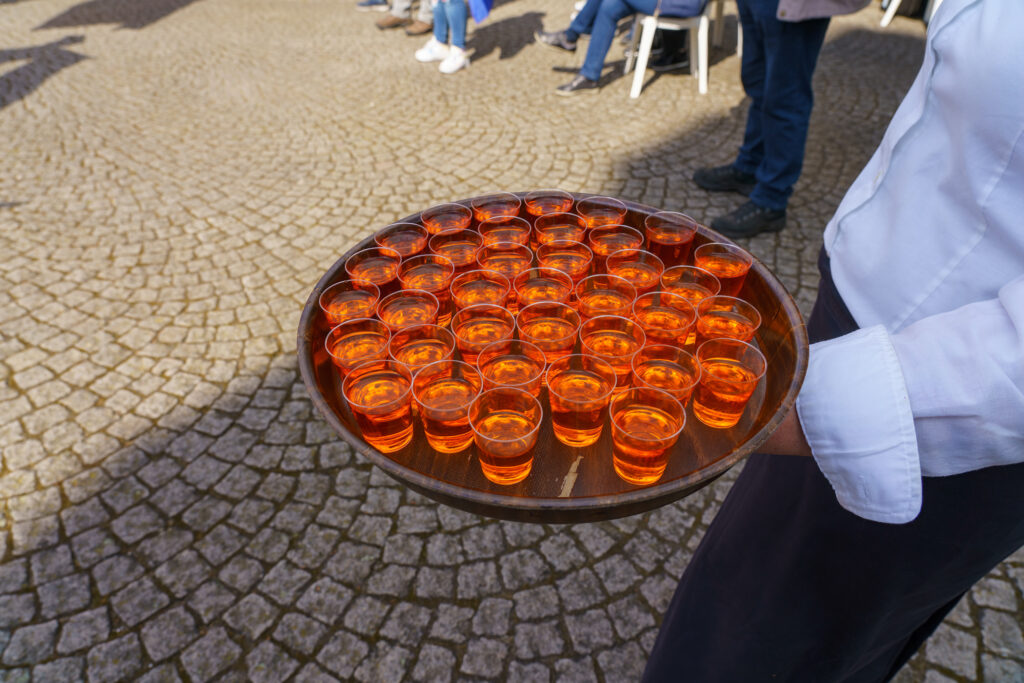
(781, 43)
(401, 15)
(837, 567)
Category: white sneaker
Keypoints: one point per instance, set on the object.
(433, 51)
(455, 60)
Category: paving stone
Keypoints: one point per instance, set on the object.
(65, 595)
(115, 572)
(407, 624)
(386, 662)
(205, 513)
(66, 670)
(175, 496)
(14, 576)
(492, 617)
(365, 615)
(482, 541)
(536, 640)
(116, 660)
(89, 547)
(167, 633)
(478, 579)
(562, 553)
(370, 529)
(311, 673)
(617, 574)
(269, 545)
(84, 516)
(352, 562)
(158, 549)
(312, 488)
(238, 483)
(589, 631)
(210, 599)
(484, 656)
(325, 599)
(1001, 633)
(417, 519)
(402, 549)
(210, 655)
(451, 623)
(49, 565)
(84, 630)
(523, 569)
(138, 600)
(269, 664)
(283, 582)
(1000, 669)
(392, 580)
(299, 633)
(630, 616)
(992, 592)
(623, 663)
(241, 573)
(342, 654)
(338, 512)
(575, 671)
(124, 494)
(16, 610)
(165, 673)
(580, 589)
(314, 546)
(251, 514)
(953, 649)
(435, 583)
(220, 543)
(252, 615)
(31, 644)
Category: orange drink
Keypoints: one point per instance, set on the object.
(541, 284)
(477, 326)
(572, 258)
(604, 295)
(670, 236)
(505, 423)
(730, 371)
(355, 341)
(642, 268)
(550, 326)
(579, 388)
(349, 299)
(541, 202)
(378, 265)
(667, 368)
(408, 239)
(378, 392)
(508, 258)
(443, 392)
(599, 210)
(726, 317)
(729, 263)
(431, 273)
(646, 423)
(605, 239)
(558, 226)
(613, 339)
(421, 345)
(504, 229)
(446, 218)
(666, 318)
(512, 363)
(500, 204)
(458, 246)
(480, 287)
(406, 308)
(690, 282)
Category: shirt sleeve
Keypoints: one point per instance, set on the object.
(943, 396)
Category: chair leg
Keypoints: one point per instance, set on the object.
(648, 26)
(890, 12)
(702, 57)
(631, 54)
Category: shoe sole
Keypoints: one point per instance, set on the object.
(418, 33)
(388, 28)
(742, 188)
(669, 67)
(554, 46)
(571, 93)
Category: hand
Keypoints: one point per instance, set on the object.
(788, 439)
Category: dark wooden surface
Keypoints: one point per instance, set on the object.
(576, 484)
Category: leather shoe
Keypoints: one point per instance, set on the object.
(555, 39)
(391, 21)
(750, 219)
(579, 84)
(725, 179)
(418, 28)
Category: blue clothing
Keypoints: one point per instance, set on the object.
(600, 17)
(778, 64)
(453, 15)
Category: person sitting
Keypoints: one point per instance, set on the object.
(599, 18)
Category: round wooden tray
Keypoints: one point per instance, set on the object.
(576, 484)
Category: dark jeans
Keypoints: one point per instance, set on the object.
(786, 585)
(778, 64)
(599, 18)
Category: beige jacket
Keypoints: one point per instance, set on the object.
(798, 10)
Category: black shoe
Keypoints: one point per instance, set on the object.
(725, 179)
(555, 39)
(670, 62)
(579, 84)
(749, 220)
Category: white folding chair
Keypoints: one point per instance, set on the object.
(644, 26)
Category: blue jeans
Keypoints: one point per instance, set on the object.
(778, 64)
(451, 14)
(599, 18)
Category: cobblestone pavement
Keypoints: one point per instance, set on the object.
(175, 175)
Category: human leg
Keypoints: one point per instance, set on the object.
(436, 49)
(457, 14)
(607, 18)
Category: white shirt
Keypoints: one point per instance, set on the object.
(927, 251)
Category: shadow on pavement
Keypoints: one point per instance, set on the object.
(44, 61)
(128, 13)
(507, 35)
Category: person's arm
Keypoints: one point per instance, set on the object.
(943, 396)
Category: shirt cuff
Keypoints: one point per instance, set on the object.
(855, 412)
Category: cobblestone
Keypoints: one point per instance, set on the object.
(171, 506)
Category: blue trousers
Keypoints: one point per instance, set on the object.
(453, 15)
(778, 64)
(599, 18)
(787, 585)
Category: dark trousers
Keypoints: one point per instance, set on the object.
(788, 586)
(777, 68)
